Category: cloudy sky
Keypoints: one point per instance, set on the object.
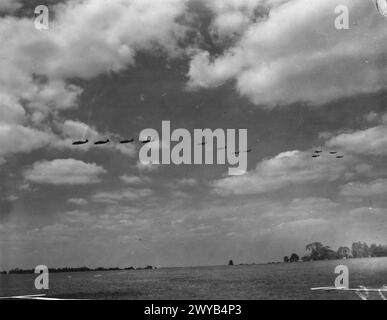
(105, 68)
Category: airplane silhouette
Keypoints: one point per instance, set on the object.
(102, 142)
(247, 151)
(146, 141)
(78, 143)
(319, 151)
(127, 141)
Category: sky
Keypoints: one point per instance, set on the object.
(109, 69)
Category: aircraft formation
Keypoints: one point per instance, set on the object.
(315, 155)
(318, 154)
(106, 141)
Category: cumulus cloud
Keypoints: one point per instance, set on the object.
(78, 130)
(64, 172)
(78, 201)
(372, 141)
(303, 208)
(368, 212)
(371, 117)
(234, 16)
(9, 5)
(302, 224)
(130, 194)
(188, 182)
(91, 37)
(15, 138)
(360, 189)
(131, 179)
(11, 111)
(126, 149)
(288, 168)
(86, 38)
(149, 167)
(104, 35)
(296, 54)
(178, 185)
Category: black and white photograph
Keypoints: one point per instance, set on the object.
(193, 150)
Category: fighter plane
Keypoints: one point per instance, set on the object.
(319, 151)
(247, 151)
(127, 141)
(146, 141)
(102, 142)
(80, 142)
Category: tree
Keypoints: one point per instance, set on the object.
(378, 251)
(320, 252)
(328, 254)
(315, 249)
(360, 250)
(286, 259)
(344, 253)
(231, 263)
(294, 258)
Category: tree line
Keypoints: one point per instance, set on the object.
(317, 251)
(68, 269)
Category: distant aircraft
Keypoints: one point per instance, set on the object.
(127, 141)
(319, 151)
(340, 157)
(333, 152)
(102, 142)
(247, 151)
(146, 141)
(78, 143)
(316, 156)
